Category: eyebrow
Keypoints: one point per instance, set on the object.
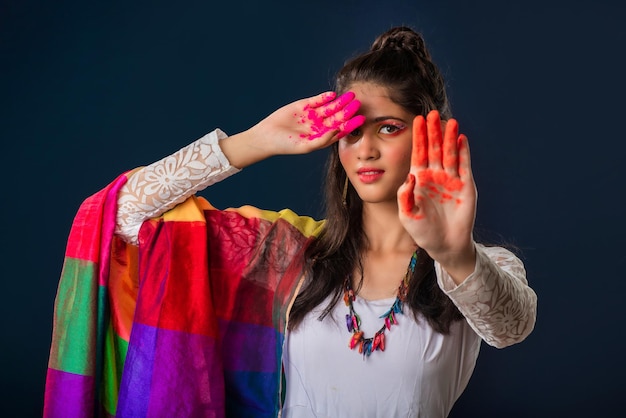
(382, 118)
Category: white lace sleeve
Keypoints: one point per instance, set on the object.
(495, 299)
(154, 189)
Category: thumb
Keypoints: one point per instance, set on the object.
(406, 195)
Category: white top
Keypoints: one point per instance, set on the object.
(421, 373)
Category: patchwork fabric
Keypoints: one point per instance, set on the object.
(188, 323)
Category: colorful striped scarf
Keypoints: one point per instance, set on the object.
(189, 323)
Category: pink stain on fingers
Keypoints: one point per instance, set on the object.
(330, 107)
(339, 103)
(350, 126)
(322, 99)
(333, 117)
(349, 110)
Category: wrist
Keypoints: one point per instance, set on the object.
(241, 149)
(459, 264)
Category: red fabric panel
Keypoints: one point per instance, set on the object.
(176, 294)
(84, 239)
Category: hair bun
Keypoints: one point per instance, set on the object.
(401, 38)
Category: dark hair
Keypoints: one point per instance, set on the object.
(398, 60)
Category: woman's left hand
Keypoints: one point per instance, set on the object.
(437, 203)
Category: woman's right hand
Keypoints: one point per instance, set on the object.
(297, 128)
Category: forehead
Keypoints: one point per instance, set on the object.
(376, 101)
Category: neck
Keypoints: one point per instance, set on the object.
(383, 229)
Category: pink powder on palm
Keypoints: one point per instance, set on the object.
(343, 108)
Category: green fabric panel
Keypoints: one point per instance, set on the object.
(101, 328)
(74, 335)
(115, 349)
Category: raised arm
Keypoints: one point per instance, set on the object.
(438, 208)
(297, 128)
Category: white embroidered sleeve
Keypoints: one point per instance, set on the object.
(154, 189)
(495, 299)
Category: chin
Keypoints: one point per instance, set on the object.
(378, 195)
(371, 198)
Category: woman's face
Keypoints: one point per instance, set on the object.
(377, 155)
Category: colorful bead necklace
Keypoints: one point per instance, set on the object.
(353, 321)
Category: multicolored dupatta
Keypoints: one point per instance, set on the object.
(189, 323)
(74, 380)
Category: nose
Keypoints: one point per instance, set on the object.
(367, 147)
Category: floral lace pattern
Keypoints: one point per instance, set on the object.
(495, 299)
(154, 189)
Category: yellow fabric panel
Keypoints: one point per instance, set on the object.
(305, 224)
(192, 209)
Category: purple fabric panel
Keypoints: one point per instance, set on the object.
(62, 391)
(171, 374)
(134, 391)
(248, 347)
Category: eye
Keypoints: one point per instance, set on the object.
(354, 135)
(389, 129)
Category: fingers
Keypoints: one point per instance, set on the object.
(345, 121)
(408, 201)
(337, 117)
(406, 198)
(321, 99)
(328, 116)
(450, 147)
(350, 125)
(331, 107)
(419, 153)
(431, 148)
(349, 111)
(427, 141)
(433, 123)
(465, 170)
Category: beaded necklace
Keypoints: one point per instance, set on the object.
(353, 321)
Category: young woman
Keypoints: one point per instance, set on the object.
(377, 311)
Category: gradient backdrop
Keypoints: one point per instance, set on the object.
(90, 89)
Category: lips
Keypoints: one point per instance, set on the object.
(370, 175)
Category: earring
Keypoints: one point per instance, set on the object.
(344, 195)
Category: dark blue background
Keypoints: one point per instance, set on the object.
(90, 89)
